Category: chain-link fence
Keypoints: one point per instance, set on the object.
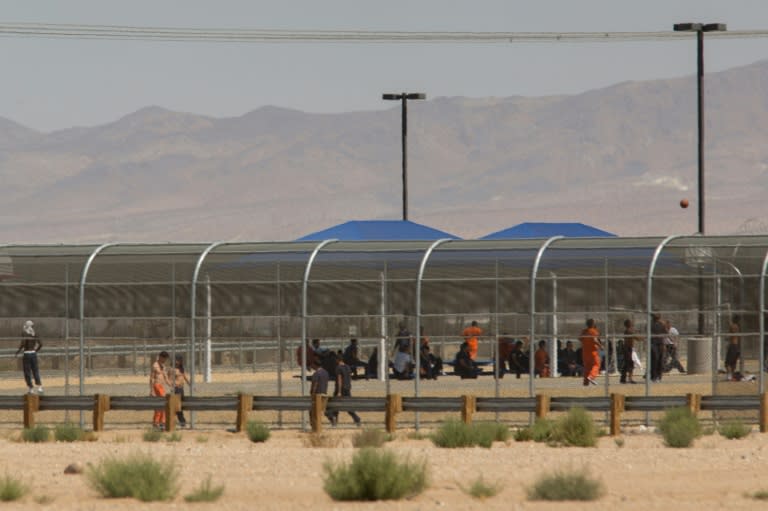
(245, 307)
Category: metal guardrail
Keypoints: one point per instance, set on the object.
(593, 404)
(432, 404)
(505, 404)
(390, 405)
(721, 403)
(11, 402)
(653, 403)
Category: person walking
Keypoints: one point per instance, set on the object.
(158, 380)
(670, 342)
(179, 378)
(658, 349)
(319, 386)
(733, 354)
(343, 388)
(590, 352)
(30, 345)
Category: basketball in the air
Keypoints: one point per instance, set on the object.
(683, 203)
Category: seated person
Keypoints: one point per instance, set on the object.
(463, 365)
(518, 360)
(372, 367)
(313, 360)
(541, 361)
(505, 347)
(402, 365)
(351, 357)
(570, 363)
(430, 365)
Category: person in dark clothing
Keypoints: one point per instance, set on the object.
(372, 367)
(30, 345)
(569, 361)
(404, 340)
(464, 366)
(658, 333)
(351, 356)
(733, 353)
(319, 385)
(180, 377)
(343, 388)
(431, 366)
(518, 360)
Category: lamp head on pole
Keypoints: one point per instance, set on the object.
(699, 27)
(404, 95)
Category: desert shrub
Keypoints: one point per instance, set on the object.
(173, 437)
(257, 431)
(577, 429)
(206, 492)
(619, 441)
(322, 440)
(479, 489)
(454, 433)
(679, 427)
(371, 438)
(11, 488)
(152, 435)
(488, 432)
(68, 432)
(201, 439)
(541, 431)
(36, 434)
(734, 429)
(374, 474)
(523, 435)
(138, 476)
(566, 485)
(760, 495)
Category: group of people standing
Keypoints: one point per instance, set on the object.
(161, 378)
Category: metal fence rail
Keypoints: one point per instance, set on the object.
(391, 405)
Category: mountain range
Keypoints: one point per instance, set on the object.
(619, 158)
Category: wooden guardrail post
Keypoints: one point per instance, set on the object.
(394, 406)
(617, 408)
(764, 412)
(317, 411)
(244, 406)
(542, 405)
(100, 406)
(172, 405)
(468, 407)
(694, 403)
(31, 406)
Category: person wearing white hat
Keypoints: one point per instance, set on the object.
(30, 345)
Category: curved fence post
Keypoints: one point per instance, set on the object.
(532, 340)
(649, 300)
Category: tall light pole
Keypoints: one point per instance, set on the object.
(700, 28)
(403, 97)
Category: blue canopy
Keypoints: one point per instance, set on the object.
(378, 230)
(547, 230)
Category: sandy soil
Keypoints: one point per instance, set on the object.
(285, 474)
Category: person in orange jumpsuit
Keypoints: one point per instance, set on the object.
(471, 333)
(590, 352)
(541, 360)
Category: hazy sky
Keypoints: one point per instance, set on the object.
(50, 84)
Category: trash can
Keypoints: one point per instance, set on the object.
(699, 355)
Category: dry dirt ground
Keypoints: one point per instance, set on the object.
(285, 474)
